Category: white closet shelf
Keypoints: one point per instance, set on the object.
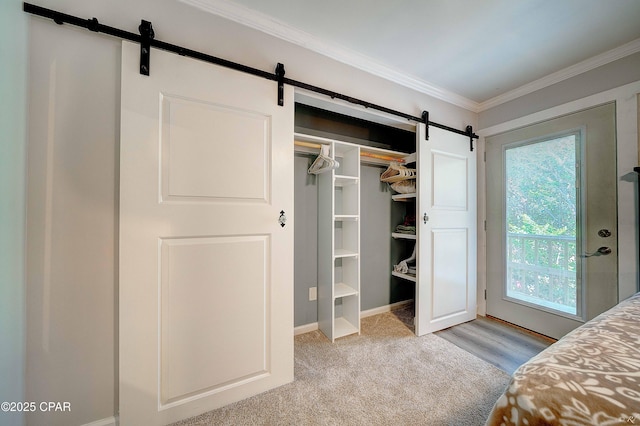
(344, 253)
(343, 290)
(403, 236)
(342, 180)
(408, 277)
(403, 197)
(411, 158)
(342, 217)
(342, 327)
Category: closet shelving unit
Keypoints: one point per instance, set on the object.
(339, 232)
(339, 244)
(410, 197)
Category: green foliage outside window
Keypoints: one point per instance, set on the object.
(541, 191)
(541, 221)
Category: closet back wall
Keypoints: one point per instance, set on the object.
(305, 259)
(380, 215)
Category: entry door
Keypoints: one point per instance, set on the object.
(206, 269)
(552, 222)
(446, 231)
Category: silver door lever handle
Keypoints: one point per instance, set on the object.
(602, 251)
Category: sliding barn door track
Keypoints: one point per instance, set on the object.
(146, 40)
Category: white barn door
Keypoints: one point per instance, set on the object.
(446, 227)
(206, 270)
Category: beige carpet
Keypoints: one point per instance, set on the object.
(385, 376)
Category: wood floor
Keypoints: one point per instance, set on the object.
(499, 343)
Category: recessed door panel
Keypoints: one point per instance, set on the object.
(199, 277)
(213, 152)
(450, 275)
(450, 181)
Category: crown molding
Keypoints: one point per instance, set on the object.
(564, 74)
(269, 25)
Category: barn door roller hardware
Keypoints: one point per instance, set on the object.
(471, 136)
(280, 77)
(147, 40)
(425, 120)
(146, 35)
(467, 132)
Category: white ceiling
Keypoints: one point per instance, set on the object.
(470, 52)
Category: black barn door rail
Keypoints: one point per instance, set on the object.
(147, 40)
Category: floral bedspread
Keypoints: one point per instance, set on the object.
(589, 377)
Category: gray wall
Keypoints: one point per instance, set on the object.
(305, 241)
(379, 216)
(13, 112)
(72, 223)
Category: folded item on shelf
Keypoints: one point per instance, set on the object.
(403, 229)
(404, 186)
(401, 267)
(409, 220)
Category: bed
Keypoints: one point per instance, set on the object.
(589, 377)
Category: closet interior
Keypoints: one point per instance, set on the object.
(402, 180)
(355, 242)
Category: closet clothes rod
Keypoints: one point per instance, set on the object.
(362, 153)
(147, 40)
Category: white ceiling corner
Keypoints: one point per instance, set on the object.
(269, 25)
(265, 23)
(564, 74)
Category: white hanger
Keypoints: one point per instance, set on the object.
(396, 172)
(324, 162)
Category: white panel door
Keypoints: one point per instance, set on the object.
(446, 228)
(206, 270)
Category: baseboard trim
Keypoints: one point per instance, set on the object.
(385, 308)
(307, 328)
(109, 421)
